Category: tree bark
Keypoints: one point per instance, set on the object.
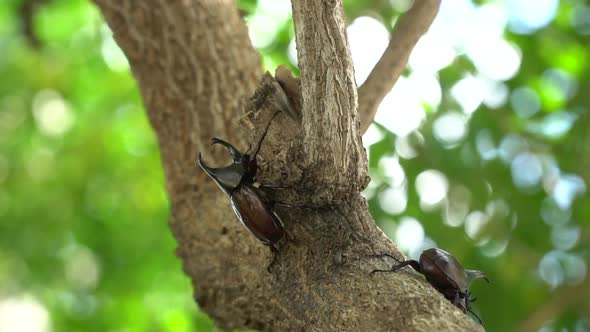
(198, 76)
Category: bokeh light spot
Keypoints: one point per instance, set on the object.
(81, 267)
(527, 170)
(495, 59)
(470, 92)
(408, 146)
(421, 58)
(526, 16)
(497, 95)
(409, 234)
(484, 144)
(474, 223)
(565, 237)
(566, 189)
(432, 186)
(581, 19)
(554, 125)
(372, 136)
(510, 147)
(23, 314)
(112, 54)
(394, 200)
(366, 51)
(450, 128)
(553, 214)
(53, 115)
(457, 206)
(525, 102)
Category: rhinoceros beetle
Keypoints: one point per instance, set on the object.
(237, 181)
(444, 272)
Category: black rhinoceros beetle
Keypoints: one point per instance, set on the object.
(237, 181)
(444, 272)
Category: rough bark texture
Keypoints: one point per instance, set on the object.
(197, 72)
(333, 152)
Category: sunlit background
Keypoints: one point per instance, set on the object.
(482, 148)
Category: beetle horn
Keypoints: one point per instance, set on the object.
(475, 274)
(210, 171)
(227, 178)
(236, 155)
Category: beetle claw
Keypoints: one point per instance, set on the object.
(272, 186)
(275, 253)
(372, 272)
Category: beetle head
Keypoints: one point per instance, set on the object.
(228, 177)
(242, 170)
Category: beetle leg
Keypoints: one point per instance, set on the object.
(388, 255)
(410, 262)
(273, 186)
(289, 237)
(287, 205)
(476, 316)
(275, 253)
(457, 301)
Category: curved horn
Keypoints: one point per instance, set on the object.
(236, 155)
(227, 178)
(475, 274)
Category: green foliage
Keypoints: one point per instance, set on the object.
(84, 242)
(83, 208)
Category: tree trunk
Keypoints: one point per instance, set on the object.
(198, 75)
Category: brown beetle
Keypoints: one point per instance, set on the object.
(444, 272)
(247, 201)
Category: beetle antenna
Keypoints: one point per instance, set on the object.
(259, 144)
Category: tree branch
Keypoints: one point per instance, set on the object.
(190, 58)
(563, 299)
(195, 67)
(406, 33)
(330, 118)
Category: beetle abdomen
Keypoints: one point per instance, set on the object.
(256, 216)
(443, 270)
